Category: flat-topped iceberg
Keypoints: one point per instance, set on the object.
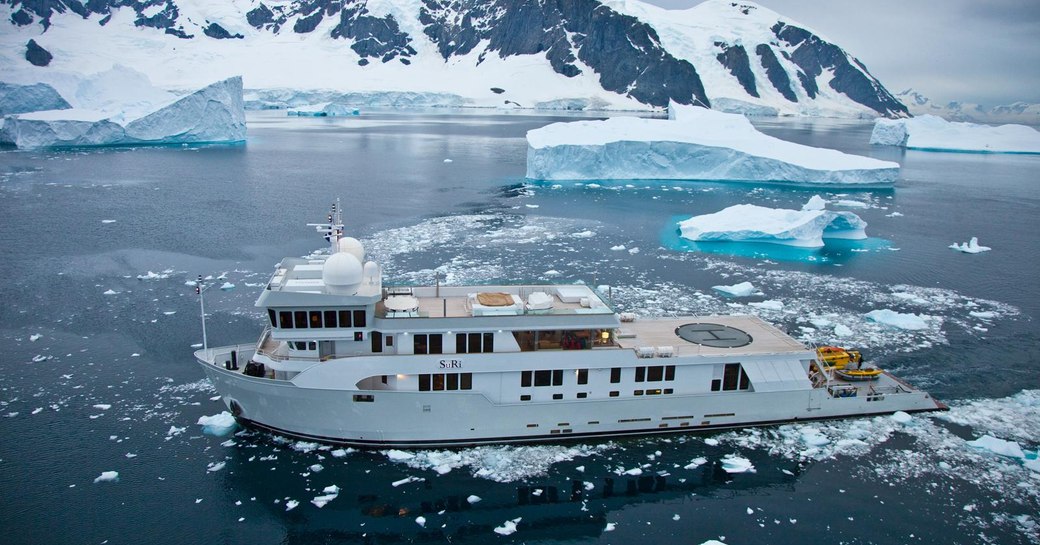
(325, 109)
(929, 132)
(16, 99)
(211, 114)
(752, 223)
(693, 144)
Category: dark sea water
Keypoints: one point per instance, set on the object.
(98, 327)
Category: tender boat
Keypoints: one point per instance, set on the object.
(345, 358)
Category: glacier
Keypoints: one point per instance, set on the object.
(753, 223)
(693, 144)
(932, 133)
(17, 99)
(212, 114)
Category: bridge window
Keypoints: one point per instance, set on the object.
(330, 319)
(285, 318)
(359, 318)
(300, 319)
(273, 316)
(344, 318)
(315, 318)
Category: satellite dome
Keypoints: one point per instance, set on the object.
(342, 273)
(352, 246)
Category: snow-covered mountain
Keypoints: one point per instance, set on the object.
(615, 54)
(1019, 112)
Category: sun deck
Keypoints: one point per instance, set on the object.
(502, 300)
(657, 336)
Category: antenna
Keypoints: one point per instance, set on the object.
(199, 290)
(332, 230)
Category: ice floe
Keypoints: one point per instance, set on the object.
(107, 477)
(742, 289)
(970, 247)
(732, 463)
(753, 223)
(928, 132)
(219, 424)
(496, 463)
(693, 144)
(898, 319)
(508, 527)
(999, 446)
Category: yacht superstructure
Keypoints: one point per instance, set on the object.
(348, 360)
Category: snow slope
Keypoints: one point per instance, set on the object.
(929, 132)
(695, 144)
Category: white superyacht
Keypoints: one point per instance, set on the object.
(345, 359)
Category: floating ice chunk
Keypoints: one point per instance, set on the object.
(851, 204)
(107, 477)
(750, 511)
(421, 521)
(610, 527)
(316, 468)
(227, 286)
(291, 504)
(219, 424)
(448, 161)
(216, 466)
(320, 501)
(901, 417)
(473, 499)
(174, 431)
(305, 446)
(618, 248)
(929, 132)
(508, 527)
(35, 337)
(815, 202)
(752, 223)
(110, 292)
(983, 314)
(743, 289)
(108, 221)
(398, 455)
(716, 542)
(331, 489)
(814, 438)
(895, 319)
(152, 276)
(634, 471)
(970, 247)
(731, 463)
(103, 406)
(711, 442)
(406, 480)
(695, 144)
(696, 462)
(772, 304)
(584, 234)
(842, 330)
(339, 453)
(998, 446)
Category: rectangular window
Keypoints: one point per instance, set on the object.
(525, 379)
(436, 343)
(583, 395)
(557, 378)
(330, 319)
(655, 373)
(453, 381)
(384, 379)
(731, 376)
(467, 381)
(668, 391)
(460, 343)
(438, 382)
(359, 336)
(489, 342)
(654, 392)
(315, 319)
(389, 340)
(583, 376)
(424, 383)
(557, 396)
(615, 375)
(359, 318)
(474, 343)
(637, 393)
(542, 378)
(716, 385)
(525, 397)
(669, 372)
(274, 317)
(419, 345)
(300, 319)
(744, 380)
(344, 318)
(377, 341)
(640, 374)
(285, 318)
(366, 398)
(614, 393)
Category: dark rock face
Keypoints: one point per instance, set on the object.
(377, 38)
(813, 55)
(735, 58)
(37, 55)
(220, 33)
(775, 72)
(625, 52)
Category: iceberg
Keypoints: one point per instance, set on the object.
(211, 114)
(18, 99)
(219, 424)
(970, 247)
(752, 223)
(743, 289)
(929, 132)
(895, 319)
(325, 109)
(693, 144)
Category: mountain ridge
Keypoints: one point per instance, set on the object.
(585, 53)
